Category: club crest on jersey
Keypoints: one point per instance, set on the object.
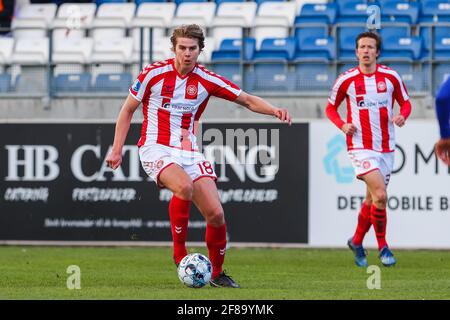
(366, 164)
(136, 85)
(381, 86)
(191, 92)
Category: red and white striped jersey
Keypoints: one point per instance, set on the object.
(370, 103)
(173, 103)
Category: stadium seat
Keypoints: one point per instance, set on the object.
(155, 15)
(73, 50)
(259, 2)
(346, 42)
(201, 13)
(231, 71)
(31, 51)
(5, 82)
(270, 77)
(344, 67)
(442, 46)
(112, 51)
(285, 10)
(100, 2)
(435, 11)
(425, 33)
(71, 82)
(230, 50)
(324, 13)
(400, 11)
(246, 11)
(218, 2)
(112, 20)
(115, 82)
(302, 32)
(406, 49)
(441, 73)
(411, 75)
(6, 50)
(316, 50)
(394, 31)
(352, 12)
(314, 76)
(139, 2)
(33, 20)
(72, 20)
(178, 2)
(275, 49)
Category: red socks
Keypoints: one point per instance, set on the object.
(364, 223)
(216, 241)
(379, 220)
(179, 219)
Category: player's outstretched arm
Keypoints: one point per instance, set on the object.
(114, 159)
(259, 105)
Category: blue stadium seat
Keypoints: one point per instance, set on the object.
(317, 13)
(346, 44)
(114, 82)
(346, 66)
(99, 2)
(72, 82)
(412, 75)
(400, 11)
(231, 71)
(258, 2)
(352, 11)
(314, 76)
(407, 49)
(316, 49)
(230, 50)
(442, 46)
(425, 33)
(435, 11)
(270, 77)
(441, 73)
(388, 32)
(5, 82)
(275, 49)
(303, 32)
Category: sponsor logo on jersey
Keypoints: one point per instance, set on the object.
(360, 102)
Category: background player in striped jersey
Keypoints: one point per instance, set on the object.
(369, 91)
(443, 114)
(174, 93)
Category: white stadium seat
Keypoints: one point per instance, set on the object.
(112, 20)
(278, 9)
(31, 51)
(6, 50)
(245, 11)
(72, 20)
(33, 20)
(117, 50)
(202, 13)
(73, 50)
(155, 15)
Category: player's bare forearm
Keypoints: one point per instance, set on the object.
(259, 105)
(114, 159)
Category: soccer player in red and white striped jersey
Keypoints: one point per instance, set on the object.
(369, 91)
(174, 93)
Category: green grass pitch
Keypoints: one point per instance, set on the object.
(28, 272)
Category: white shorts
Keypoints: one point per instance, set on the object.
(365, 161)
(156, 158)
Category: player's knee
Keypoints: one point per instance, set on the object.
(380, 198)
(215, 217)
(185, 190)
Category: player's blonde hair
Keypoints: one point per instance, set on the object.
(192, 31)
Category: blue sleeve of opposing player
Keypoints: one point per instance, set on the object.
(443, 109)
